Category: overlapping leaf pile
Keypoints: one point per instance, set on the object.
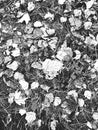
(49, 64)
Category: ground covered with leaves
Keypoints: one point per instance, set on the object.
(48, 65)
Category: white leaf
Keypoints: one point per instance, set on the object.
(50, 31)
(22, 112)
(77, 12)
(57, 101)
(13, 65)
(37, 24)
(97, 38)
(96, 65)
(18, 76)
(16, 52)
(88, 94)
(34, 85)
(39, 122)
(11, 98)
(24, 84)
(51, 68)
(45, 87)
(51, 65)
(53, 124)
(63, 19)
(73, 93)
(25, 18)
(95, 116)
(87, 25)
(81, 102)
(89, 125)
(61, 2)
(22, 1)
(49, 15)
(18, 98)
(31, 6)
(33, 49)
(78, 54)
(17, 4)
(30, 117)
(89, 4)
(36, 65)
(50, 97)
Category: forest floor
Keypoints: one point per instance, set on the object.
(48, 65)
